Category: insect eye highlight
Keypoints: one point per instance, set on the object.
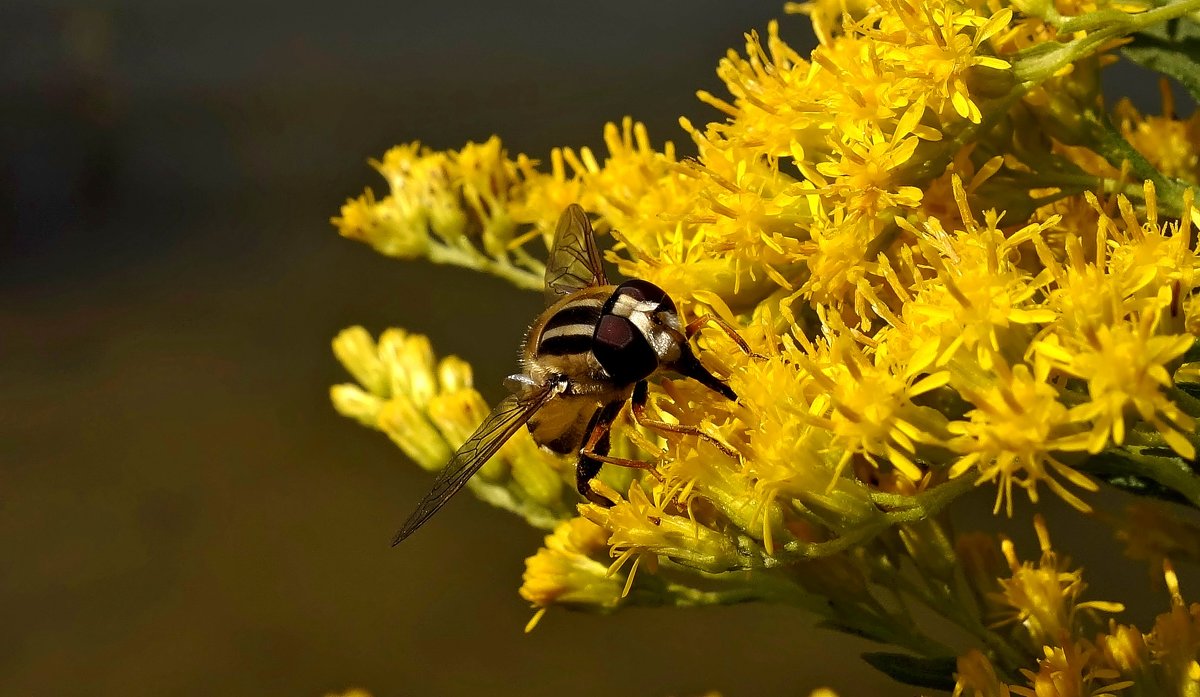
(647, 294)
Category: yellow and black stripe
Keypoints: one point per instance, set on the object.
(569, 330)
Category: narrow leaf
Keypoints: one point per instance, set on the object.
(1175, 59)
(932, 673)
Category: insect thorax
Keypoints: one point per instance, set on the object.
(606, 337)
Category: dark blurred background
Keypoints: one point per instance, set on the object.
(182, 512)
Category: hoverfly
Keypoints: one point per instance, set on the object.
(589, 352)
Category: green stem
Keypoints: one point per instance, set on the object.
(946, 606)
(933, 161)
(1125, 23)
(851, 617)
(905, 509)
(472, 258)
(1036, 64)
(887, 629)
(926, 503)
(1039, 62)
(680, 595)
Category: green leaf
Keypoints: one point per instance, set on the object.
(933, 673)
(1191, 389)
(1193, 354)
(1175, 59)
(852, 630)
(1141, 486)
(1120, 471)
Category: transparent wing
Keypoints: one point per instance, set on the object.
(509, 415)
(574, 259)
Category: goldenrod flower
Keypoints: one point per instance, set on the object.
(1067, 671)
(951, 267)
(1014, 433)
(642, 528)
(976, 677)
(429, 408)
(1124, 648)
(1044, 598)
(1175, 639)
(566, 572)
(1170, 144)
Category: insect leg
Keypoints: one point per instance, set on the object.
(594, 453)
(641, 395)
(694, 326)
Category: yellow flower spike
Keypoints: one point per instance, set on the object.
(358, 353)
(458, 412)
(1175, 640)
(1012, 436)
(649, 200)
(461, 207)
(398, 374)
(639, 191)
(486, 177)
(791, 451)
(546, 194)
(705, 472)
(1069, 671)
(772, 89)
(454, 374)
(1125, 369)
(981, 302)
(861, 172)
(1044, 598)
(835, 257)
(423, 194)
(975, 677)
(566, 572)
(900, 226)
(642, 525)
(1170, 144)
(429, 408)
(536, 471)
(457, 415)
(1124, 648)
(873, 412)
(409, 428)
(380, 224)
(352, 402)
(410, 364)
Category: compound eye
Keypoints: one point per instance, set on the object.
(622, 350)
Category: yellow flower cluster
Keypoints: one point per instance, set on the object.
(429, 408)
(952, 268)
(1075, 654)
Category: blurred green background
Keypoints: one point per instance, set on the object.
(182, 512)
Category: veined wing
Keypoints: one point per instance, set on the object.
(574, 262)
(509, 415)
